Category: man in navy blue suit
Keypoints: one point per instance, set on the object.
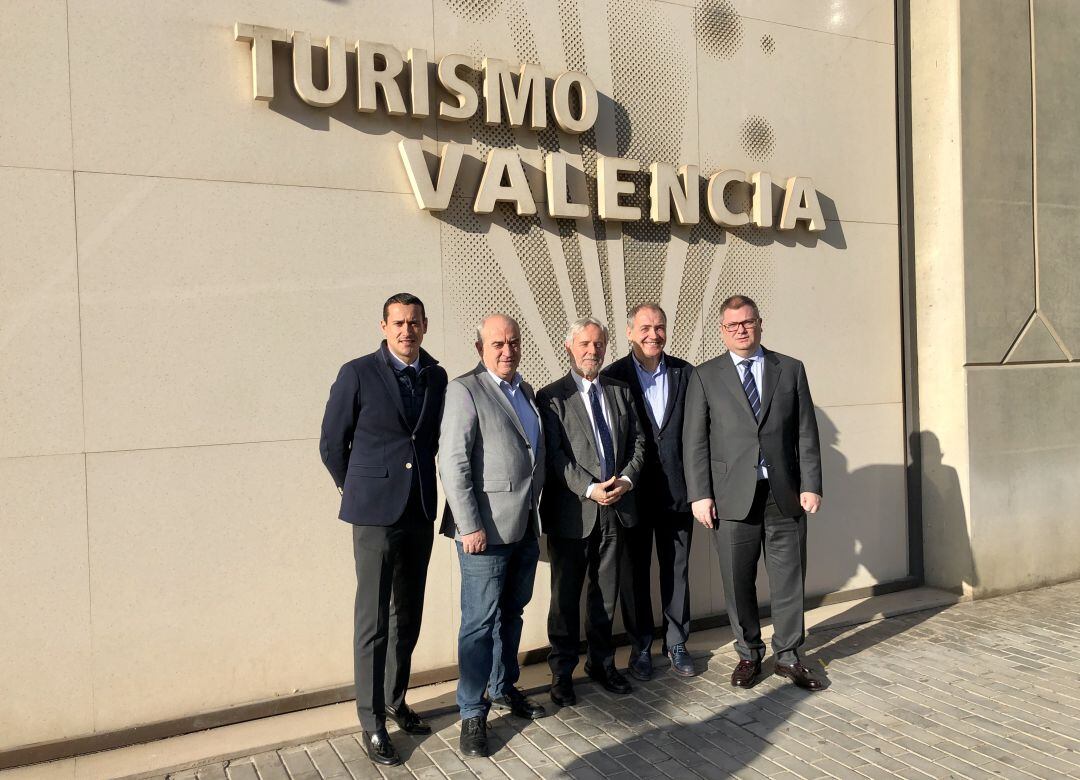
(658, 383)
(380, 434)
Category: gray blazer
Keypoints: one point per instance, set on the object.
(721, 438)
(573, 462)
(491, 476)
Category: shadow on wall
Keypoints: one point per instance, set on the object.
(947, 554)
(871, 485)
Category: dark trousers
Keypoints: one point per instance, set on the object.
(391, 571)
(596, 557)
(673, 532)
(739, 545)
(496, 586)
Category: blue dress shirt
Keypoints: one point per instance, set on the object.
(654, 387)
(525, 413)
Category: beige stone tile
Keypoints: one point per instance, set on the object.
(823, 107)
(199, 120)
(220, 312)
(253, 736)
(35, 116)
(220, 575)
(838, 310)
(53, 770)
(725, 19)
(45, 653)
(41, 385)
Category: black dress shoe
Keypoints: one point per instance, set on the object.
(474, 740)
(640, 666)
(799, 675)
(609, 679)
(407, 719)
(379, 748)
(744, 674)
(562, 690)
(681, 662)
(519, 704)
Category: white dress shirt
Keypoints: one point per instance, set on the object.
(757, 368)
(399, 364)
(584, 386)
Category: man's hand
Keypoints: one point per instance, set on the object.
(609, 492)
(704, 510)
(474, 543)
(811, 502)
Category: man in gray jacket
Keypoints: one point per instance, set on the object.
(753, 474)
(492, 469)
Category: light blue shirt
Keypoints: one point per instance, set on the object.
(757, 368)
(522, 408)
(655, 389)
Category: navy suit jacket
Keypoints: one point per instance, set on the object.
(662, 486)
(368, 446)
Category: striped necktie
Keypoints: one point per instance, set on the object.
(749, 387)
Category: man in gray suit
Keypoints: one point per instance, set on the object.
(595, 451)
(492, 470)
(753, 472)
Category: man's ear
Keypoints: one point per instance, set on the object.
(480, 348)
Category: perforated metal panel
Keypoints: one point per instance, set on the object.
(718, 28)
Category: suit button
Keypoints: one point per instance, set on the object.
(414, 437)
(408, 465)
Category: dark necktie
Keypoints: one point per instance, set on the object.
(606, 444)
(409, 373)
(749, 387)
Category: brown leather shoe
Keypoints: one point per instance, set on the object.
(744, 674)
(800, 675)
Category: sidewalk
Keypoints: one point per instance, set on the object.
(985, 689)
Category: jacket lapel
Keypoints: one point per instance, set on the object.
(730, 377)
(769, 377)
(618, 419)
(674, 375)
(576, 407)
(386, 373)
(487, 385)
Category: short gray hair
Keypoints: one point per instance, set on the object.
(579, 325)
(644, 307)
(483, 322)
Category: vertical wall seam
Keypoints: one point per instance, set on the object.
(1034, 158)
(82, 373)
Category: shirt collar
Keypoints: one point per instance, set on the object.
(398, 364)
(759, 355)
(583, 384)
(513, 384)
(661, 367)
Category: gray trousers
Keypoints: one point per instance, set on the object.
(673, 532)
(391, 572)
(572, 560)
(739, 544)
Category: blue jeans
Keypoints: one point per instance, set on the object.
(496, 584)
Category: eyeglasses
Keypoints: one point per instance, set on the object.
(733, 327)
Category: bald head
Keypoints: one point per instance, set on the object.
(498, 342)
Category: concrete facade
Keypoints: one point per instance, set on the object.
(995, 221)
(183, 269)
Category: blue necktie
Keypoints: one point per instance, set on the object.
(749, 387)
(608, 461)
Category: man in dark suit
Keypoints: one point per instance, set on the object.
(595, 452)
(658, 384)
(380, 434)
(753, 472)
